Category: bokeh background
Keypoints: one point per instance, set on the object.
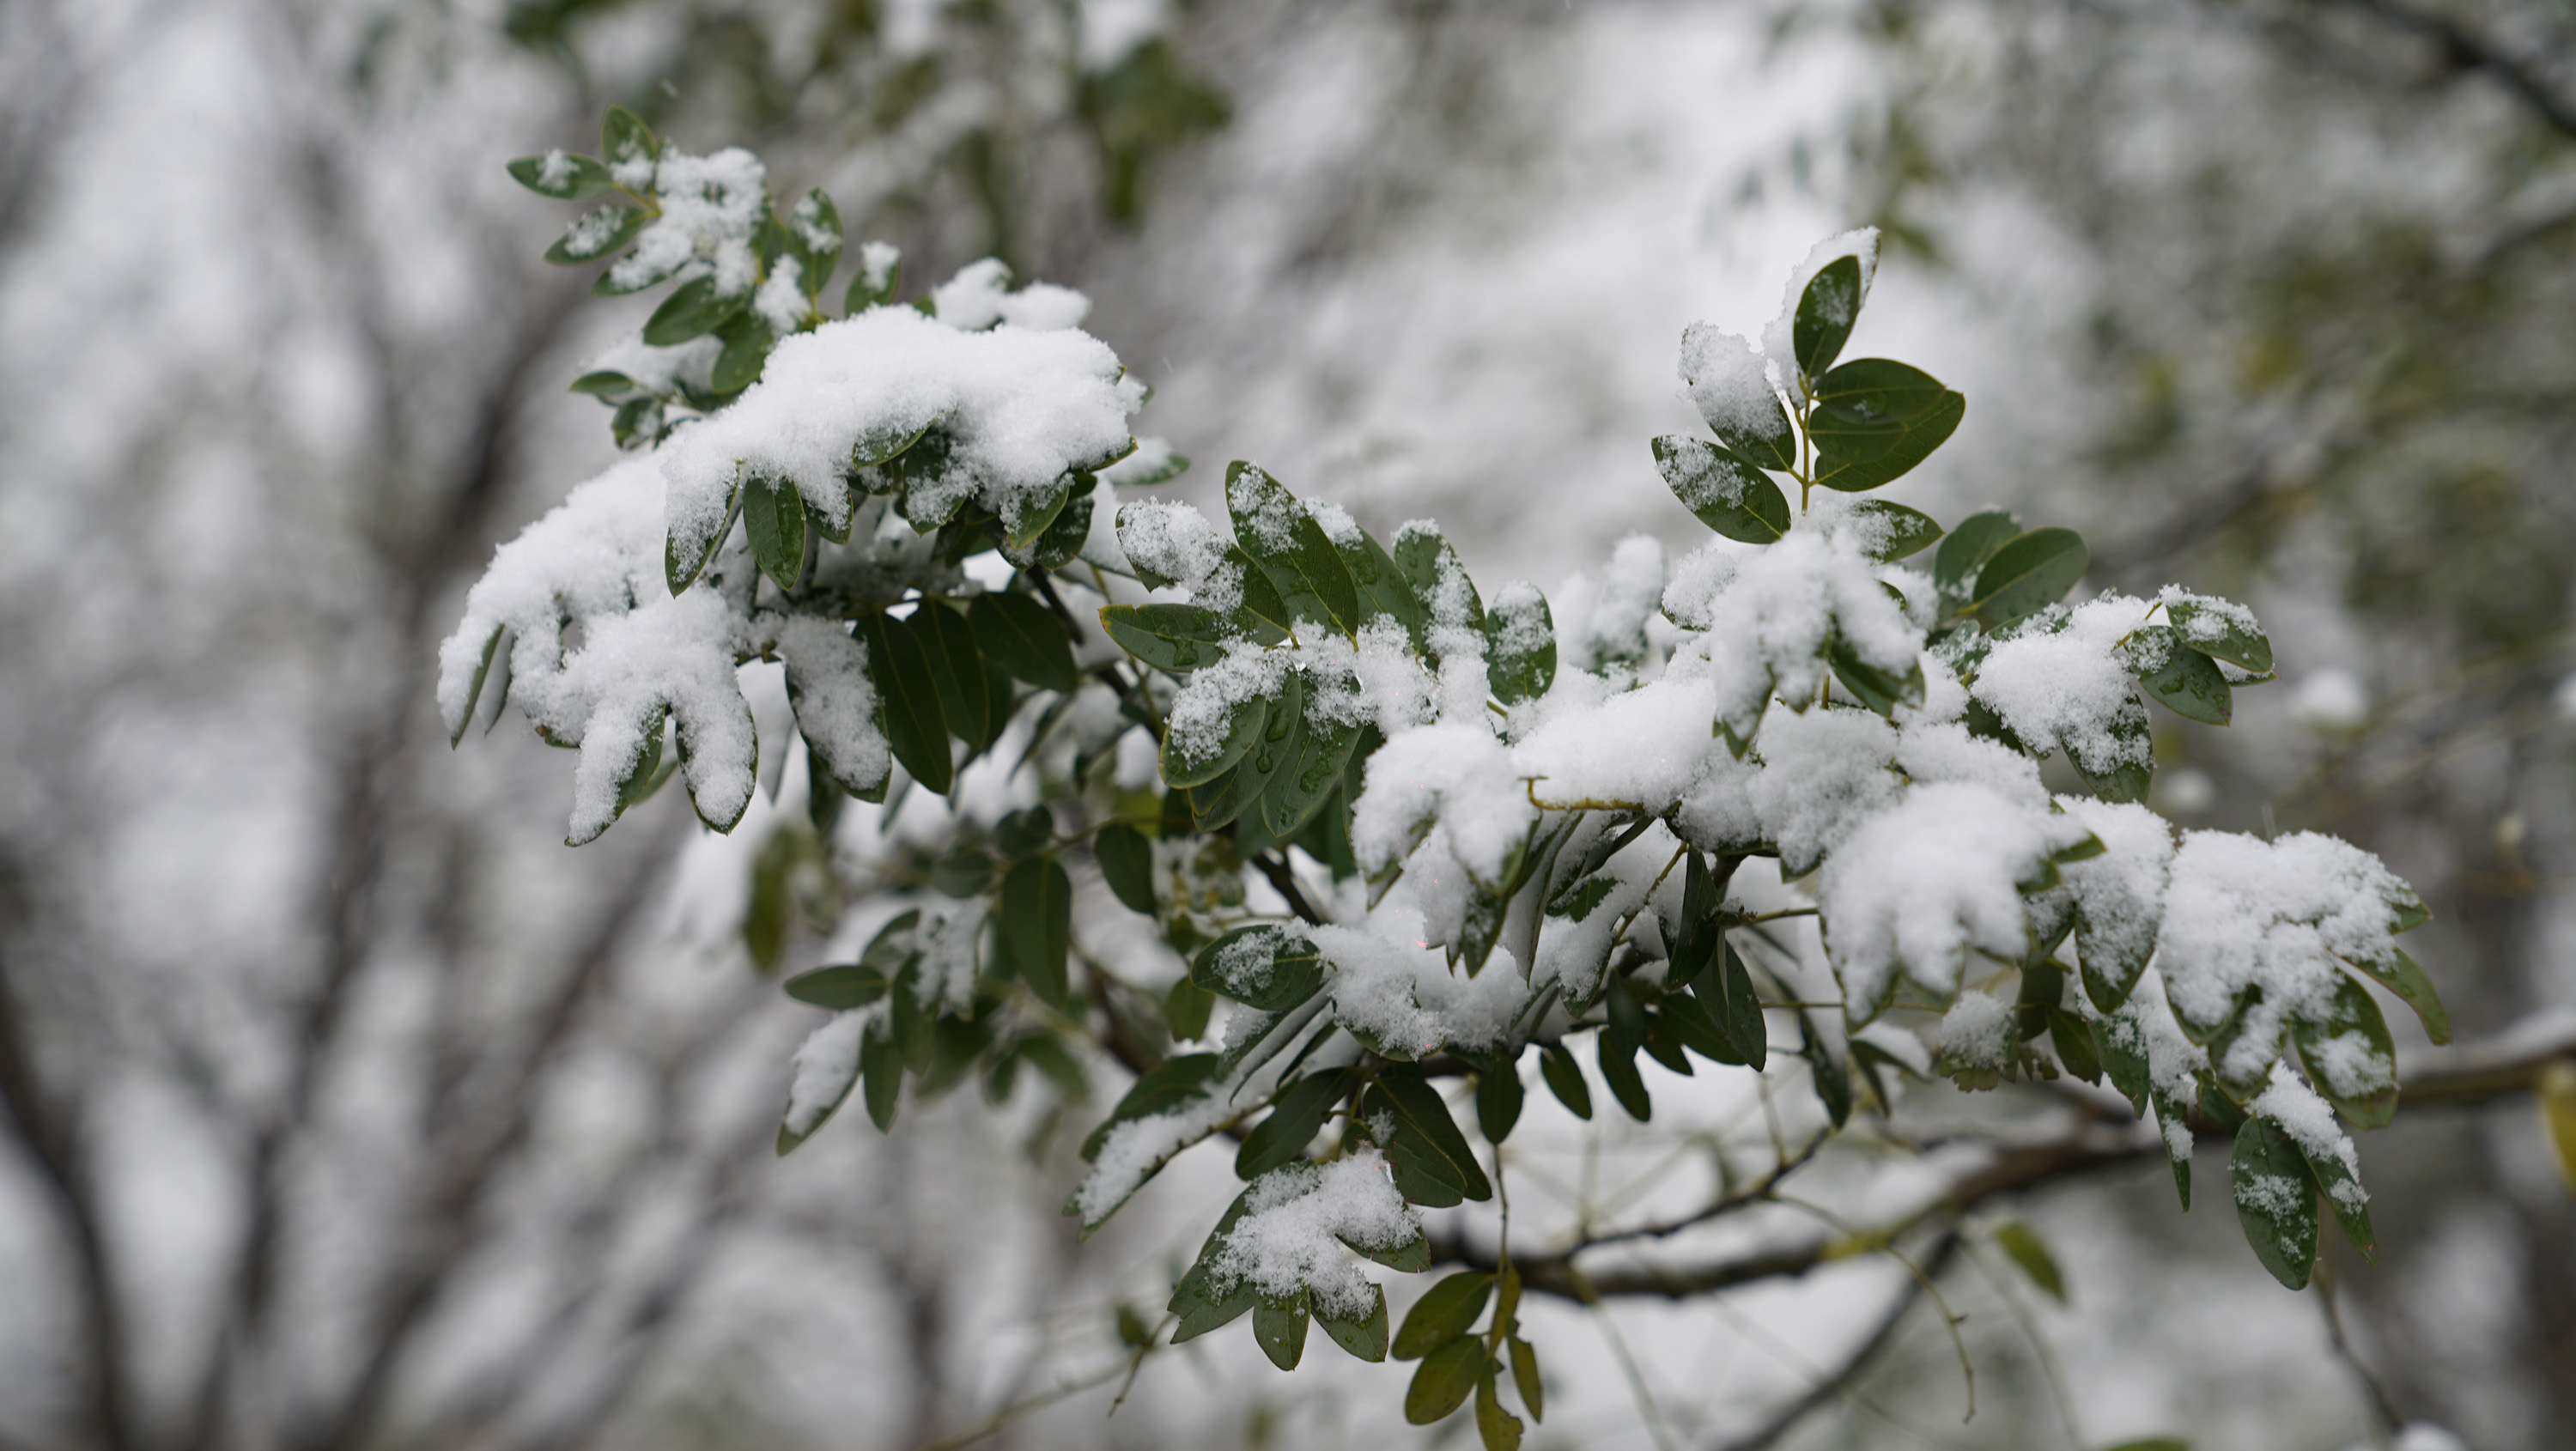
(346, 1107)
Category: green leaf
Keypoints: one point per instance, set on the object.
(2023, 1246)
(909, 698)
(1853, 459)
(773, 514)
(1301, 788)
(1826, 312)
(2276, 1202)
(2214, 634)
(1173, 638)
(747, 341)
(2028, 575)
(1525, 1377)
(1024, 637)
(1498, 1102)
(693, 310)
(1872, 686)
(2132, 770)
(1275, 750)
(604, 384)
(866, 292)
(1728, 493)
(2153, 1443)
(1186, 1008)
(1365, 1338)
(841, 986)
(957, 673)
(1037, 918)
(1445, 1312)
(2184, 680)
(2343, 1195)
(1279, 1328)
(2349, 1055)
(1430, 1159)
(882, 1069)
(596, 234)
(1266, 966)
(1866, 399)
(1292, 549)
(1025, 522)
(1431, 568)
(1199, 1309)
(1243, 728)
(1901, 532)
(1969, 546)
(1127, 865)
(1297, 1114)
(1497, 1428)
(1833, 1081)
(814, 228)
(1447, 1377)
(624, 139)
(1166, 1086)
(2403, 977)
(574, 178)
(1565, 1079)
(1520, 653)
(1618, 1057)
(1382, 588)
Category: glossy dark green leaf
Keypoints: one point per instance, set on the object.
(1365, 1338)
(1292, 549)
(2217, 634)
(2023, 1246)
(909, 700)
(1037, 918)
(1755, 427)
(1728, 493)
(1412, 1256)
(598, 233)
(1274, 751)
(562, 176)
(1446, 1311)
(1617, 1053)
(1061, 542)
(1446, 1378)
(843, 985)
(1871, 686)
(1565, 1079)
(1029, 520)
(2173, 1122)
(1520, 655)
(2340, 1190)
(1127, 865)
(2078, 1050)
(693, 310)
(1428, 1157)
(1964, 552)
(2402, 976)
(2112, 955)
(1432, 570)
(2028, 575)
(1826, 312)
(604, 384)
(1381, 586)
(1186, 1008)
(1498, 1102)
(1297, 1114)
(2276, 1202)
(747, 340)
(1301, 788)
(1173, 638)
(1894, 531)
(2349, 1055)
(1024, 637)
(815, 226)
(1869, 396)
(1266, 966)
(1279, 1328)
(1243, 730)
(882, 1069)
(956, 672)
(1852, 460)
(2184, 681)
(773, 514)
